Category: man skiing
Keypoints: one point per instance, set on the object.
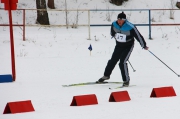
(124, 33)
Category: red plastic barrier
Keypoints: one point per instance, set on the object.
(18, 107)
(84, 100)
(163, 92)
(119, 96)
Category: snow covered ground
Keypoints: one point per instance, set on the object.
(52, 57)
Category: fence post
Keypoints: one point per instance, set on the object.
(89, 25)
(150, 24)
(24, 24)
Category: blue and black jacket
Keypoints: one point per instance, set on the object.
(130, 31)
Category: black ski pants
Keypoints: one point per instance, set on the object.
(121, 54)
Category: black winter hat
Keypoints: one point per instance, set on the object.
(121, 16)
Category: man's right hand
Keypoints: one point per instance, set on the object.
(146, 48)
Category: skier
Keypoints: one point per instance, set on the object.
(124, 33)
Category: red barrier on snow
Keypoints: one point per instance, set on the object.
(18, 107)
(119, 96)
(163, 92)
(84, 100)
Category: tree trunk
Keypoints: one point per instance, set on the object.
(51, 4)
(117, 2)
(178, 5)
(66, 14)
(42, 15)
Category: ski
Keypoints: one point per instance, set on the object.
(90, 83)
(123, 87)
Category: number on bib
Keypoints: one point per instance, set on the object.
(120, 37)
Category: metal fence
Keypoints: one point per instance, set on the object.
(86, 19)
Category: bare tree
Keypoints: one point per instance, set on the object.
(117, 2)
(51, 4)
(172, 11)
(108, 14)
(178, 4)
(42, 15)
(66, 12)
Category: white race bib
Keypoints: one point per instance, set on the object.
(120, 37)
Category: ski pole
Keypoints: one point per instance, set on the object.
(132, 66)
(164, 63)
